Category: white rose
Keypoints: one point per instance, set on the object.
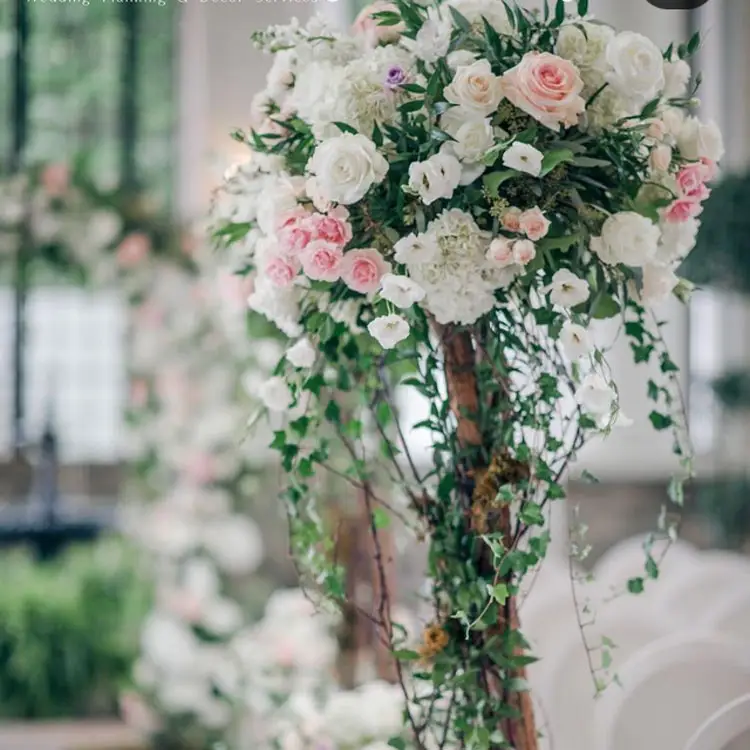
(676, 78)
(302, 354)
(575, 340)
(400, 290)
(697, 140)
(677, 240)
(628, 238)
(453, 118)
(673, 118)
(433, 38)
(436, 178)
(524, 251)
(277, 199)
(275, 394)
(346, 167)
(637, 67)
(658, 283)
(596, 396)
(567, 289)
(389, 330)
(476, 88)
(524, 158)
(473, 140)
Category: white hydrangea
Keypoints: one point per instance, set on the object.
(585, 45)
(458, 281)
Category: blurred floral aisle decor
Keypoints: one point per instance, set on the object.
(442, 202)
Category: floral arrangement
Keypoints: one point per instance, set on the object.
(442, 202)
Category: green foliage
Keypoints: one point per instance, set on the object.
(69, 630)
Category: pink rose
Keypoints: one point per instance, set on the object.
(362, 270)
(292, 218)
(691, 181)
(369, 28)
(333, 227)
(524, 251)
(281, 270)
(133, 249)
(534, 224)
(294, 238)
(511, 220)
(322, 261)
(711, 169)
(500, 252)
(681, 210)
(546, 87)
(56, 180)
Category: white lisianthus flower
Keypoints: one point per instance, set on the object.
(400, 290)
(436, 178)
(473, 140)
(301, 354)
(637, 67)
(673, 119)
(475, 88)
(658, 283)
(523, 157)
(676, 78)
(346, 167)
(415, 249)
(628, 238)
(275, 394)
(433, 38)
(389, 330)
(567, 289)
(697, 140)
(575, 340)
(596, 396)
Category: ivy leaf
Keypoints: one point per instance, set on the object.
(660, 421)
(652, 569)
(553, 159)
(493, 180)
(636, 585)
(531, 514)
(500, 593)
(605, 307)
(380, 518)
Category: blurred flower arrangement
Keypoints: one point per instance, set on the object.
(442, 202)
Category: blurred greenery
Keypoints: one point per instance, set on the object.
(69, 630)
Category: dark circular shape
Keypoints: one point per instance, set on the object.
(677, 4)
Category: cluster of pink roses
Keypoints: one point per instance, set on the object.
(533, 224)
(314, 244)
(692, 190)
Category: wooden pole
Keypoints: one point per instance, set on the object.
(463, 390)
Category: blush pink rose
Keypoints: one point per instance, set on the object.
(368, 28)
(691, 181)
(656, 130)
(133, 250)
(281, 270)
(500, 252)
(524, 251)
(295, 237)
(711, 169)
(56, 180)
(322, 261)
(333, 227)
(534, 224)
(362, 270)
(681, 210)
(546, 87)
(511, 220)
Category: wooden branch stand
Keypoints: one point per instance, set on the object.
(460, 367)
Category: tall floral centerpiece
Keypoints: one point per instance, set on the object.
(436, 208)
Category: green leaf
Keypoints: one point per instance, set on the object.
(650, 109)
(636, 585)
(345, 128)
(398, 743)
(413, 106)
(500, 593)
(405, 654)
(605, 307)
(531, 514)
(676, 491)
(558, 243)
(559, 13)
(583, 7)
(493, 39)
(380, 518)
(462, 23)
(590, 163)
(518, 685)
(553, 159)
(660, 421)
(694, 43)
(377, 135)
(493, 180)
(333, 412)
(652, 569)
(510, 14)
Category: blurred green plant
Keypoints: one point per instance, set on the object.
(69, 630)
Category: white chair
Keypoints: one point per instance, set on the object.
(628, 560)
(695, 591)
(727, 729)
(670, 688)
(567, 687)
(730, 615)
